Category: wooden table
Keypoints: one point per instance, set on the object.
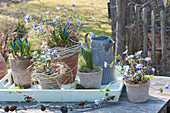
(155, 102)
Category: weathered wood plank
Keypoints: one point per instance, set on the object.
(163, 42)
(153, 39)
(138, 38)
(120, 27)
(145, 33)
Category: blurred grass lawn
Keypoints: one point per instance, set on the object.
(85, 8)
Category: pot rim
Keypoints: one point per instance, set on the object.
(91, 72)
(137, 85)
(20, 58)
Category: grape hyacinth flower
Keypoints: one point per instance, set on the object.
(131, 56)
(97, 102)
(147, 59)
(26, 41)
(122, 65)
(139, 66)
(73, 4)
(27, 19)
(35, 27)
(105, 64)
(125, 52)
(167, 86)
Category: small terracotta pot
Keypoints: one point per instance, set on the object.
(21, 75)
(91, 80)
(3, 67)
(72, 62)
(137, 93)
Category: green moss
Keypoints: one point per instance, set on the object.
(84, 68)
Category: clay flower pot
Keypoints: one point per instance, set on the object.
(137, 93)
(72, 63)
(91, 80)
(3, 67)
(21, 75)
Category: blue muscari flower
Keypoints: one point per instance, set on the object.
(54, 21)
(60, 28)
(34, 28)
(139, 66)
(79, 21)
(73, 4)
(153, 69)
(92, 34)
(41, 30)
(14, 45)
(65, 24)
(26, 41)
(137, 77)
(56, 18)
(19, 39)
(35, 25)
(50, 50)
(78, 16)
(43, 52)
(47, 12)
(131, 56)
(64, 31)
(125, 52)
(54, 32)
(84, 25)
(65, 10)
(97, 102)
(123, 78)
(20, 46)
(27, 18)
(70, 23)
(147, 59)
(70, 17)
(122, 65)
(73, 28)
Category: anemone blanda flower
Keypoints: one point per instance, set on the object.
(139, 66)
(43, 52)
(137, 77)
(153, 69)
(92, 34)
(131, 56)
(84, 25)
(139, 53)
(167, 86)
(79, 21)
(47, 12)
(147, 59)
(50, 50)
(58, 8)
(122, 65)
(97, 101)
(65, 10)
(125, 52)
(41, 30)
(54, 21)
(105, 64)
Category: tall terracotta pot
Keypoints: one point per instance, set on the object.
(137, 93)
(21, 75)
(72, 63)
(3, 67)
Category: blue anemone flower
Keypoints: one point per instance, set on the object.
(84, 25)
(65, 10)
(137, 77)
(139, 66)
(79, 21)
(54, 21)
(131, 56)
(122, 65)
(73, 28)
(92, 34)
(147, 59)
(125, 52)
(50, 50)
(41, 30)
(47, 12)
(97, 102)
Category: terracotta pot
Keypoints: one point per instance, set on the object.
(21, 75)
(72, 62)
(3, 67)
(91, 80)
(137, 93)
